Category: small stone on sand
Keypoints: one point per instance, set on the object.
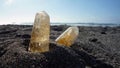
(68, 37)
(39, 41)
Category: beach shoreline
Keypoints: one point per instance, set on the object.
(95, 47)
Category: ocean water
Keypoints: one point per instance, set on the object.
(89, 24)
(81, 24)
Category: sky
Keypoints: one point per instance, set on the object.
(60, 11)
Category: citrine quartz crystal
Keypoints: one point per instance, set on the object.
(39, 41)
(68, 37)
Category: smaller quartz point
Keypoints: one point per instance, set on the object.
(68, 37)
(39, 41)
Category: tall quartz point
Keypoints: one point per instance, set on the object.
(39, 41)
(68, 37)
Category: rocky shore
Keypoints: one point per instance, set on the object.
(96, 47)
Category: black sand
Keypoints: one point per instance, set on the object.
(96, 47)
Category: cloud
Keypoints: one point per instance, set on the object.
(9, 2)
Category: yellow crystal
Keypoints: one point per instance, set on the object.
(39, 41)
(68, 37)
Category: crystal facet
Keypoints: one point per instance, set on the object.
(39, 41)
(68, 37)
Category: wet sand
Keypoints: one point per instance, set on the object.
(96, 47)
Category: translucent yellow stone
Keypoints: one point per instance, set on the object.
(68, 37)
(39, 41)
